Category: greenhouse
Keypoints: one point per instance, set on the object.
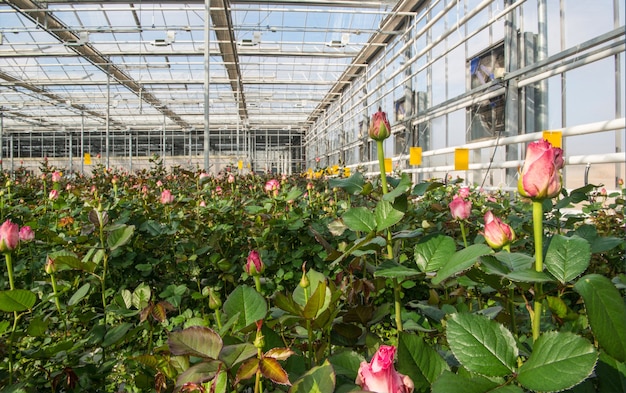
(386, 196)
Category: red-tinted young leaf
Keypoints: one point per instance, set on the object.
(279, 353)
(158, 312)
(196, 341)
(271, 369)
(247, 370)
(143, 315)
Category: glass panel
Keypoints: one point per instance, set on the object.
(583, 22)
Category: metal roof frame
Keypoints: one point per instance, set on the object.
(62, 70)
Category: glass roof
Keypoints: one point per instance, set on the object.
(72, 65)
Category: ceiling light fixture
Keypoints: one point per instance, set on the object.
(345, 39)
(256, 39)
(83, 38)
(169, 39)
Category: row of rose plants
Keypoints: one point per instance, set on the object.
(182, 281)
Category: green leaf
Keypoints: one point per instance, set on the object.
(482, 345)
(557, 306)
(611, 374)
(246, 301)
(236, 353)
(603, 244)
(152, 227)
(141, 296)
(116, 334)
(386, 216)
(64, 260)
(391, 269)
(399, 187)
(515, 260)
(419, 361)
(434, 253)
(353, 185)
(219, 384)
(17, 300)
(449, 382)
(461, 260)
(293, 194)
(359, 219)
(559, 361)
(4, 325)
(127, 297)
(529, 275)
(346, 363)
(315, 278)
(320, 379)
(315, 304)
(199, 373)
(567, 257)
(606, 312)
(422, 188)
(79, 294)
(197, 341)
(120, 236)
(38, 326)
(286, 303)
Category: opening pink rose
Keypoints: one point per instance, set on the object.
(380, 376)
(497, 233)
(9, 236)
(540, 177)
(460, 208)
(167, 197)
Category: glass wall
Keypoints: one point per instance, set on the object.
(470, 71)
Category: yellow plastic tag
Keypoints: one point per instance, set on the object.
(415, 155)
(554, 137)
(461, 159)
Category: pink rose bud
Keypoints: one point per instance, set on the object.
(9, 236)
(254, 265)
(159, 183)
(167, 197)
(54, 194)
(26, 234)
(50, 267)
(56, 176)
(231, 179)
(379, 129)
(460, 208)
(464, 192)
(497, 233)
(380, 376)
(272, 186)
(540, 177)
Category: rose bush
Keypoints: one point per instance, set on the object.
(117, 291)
